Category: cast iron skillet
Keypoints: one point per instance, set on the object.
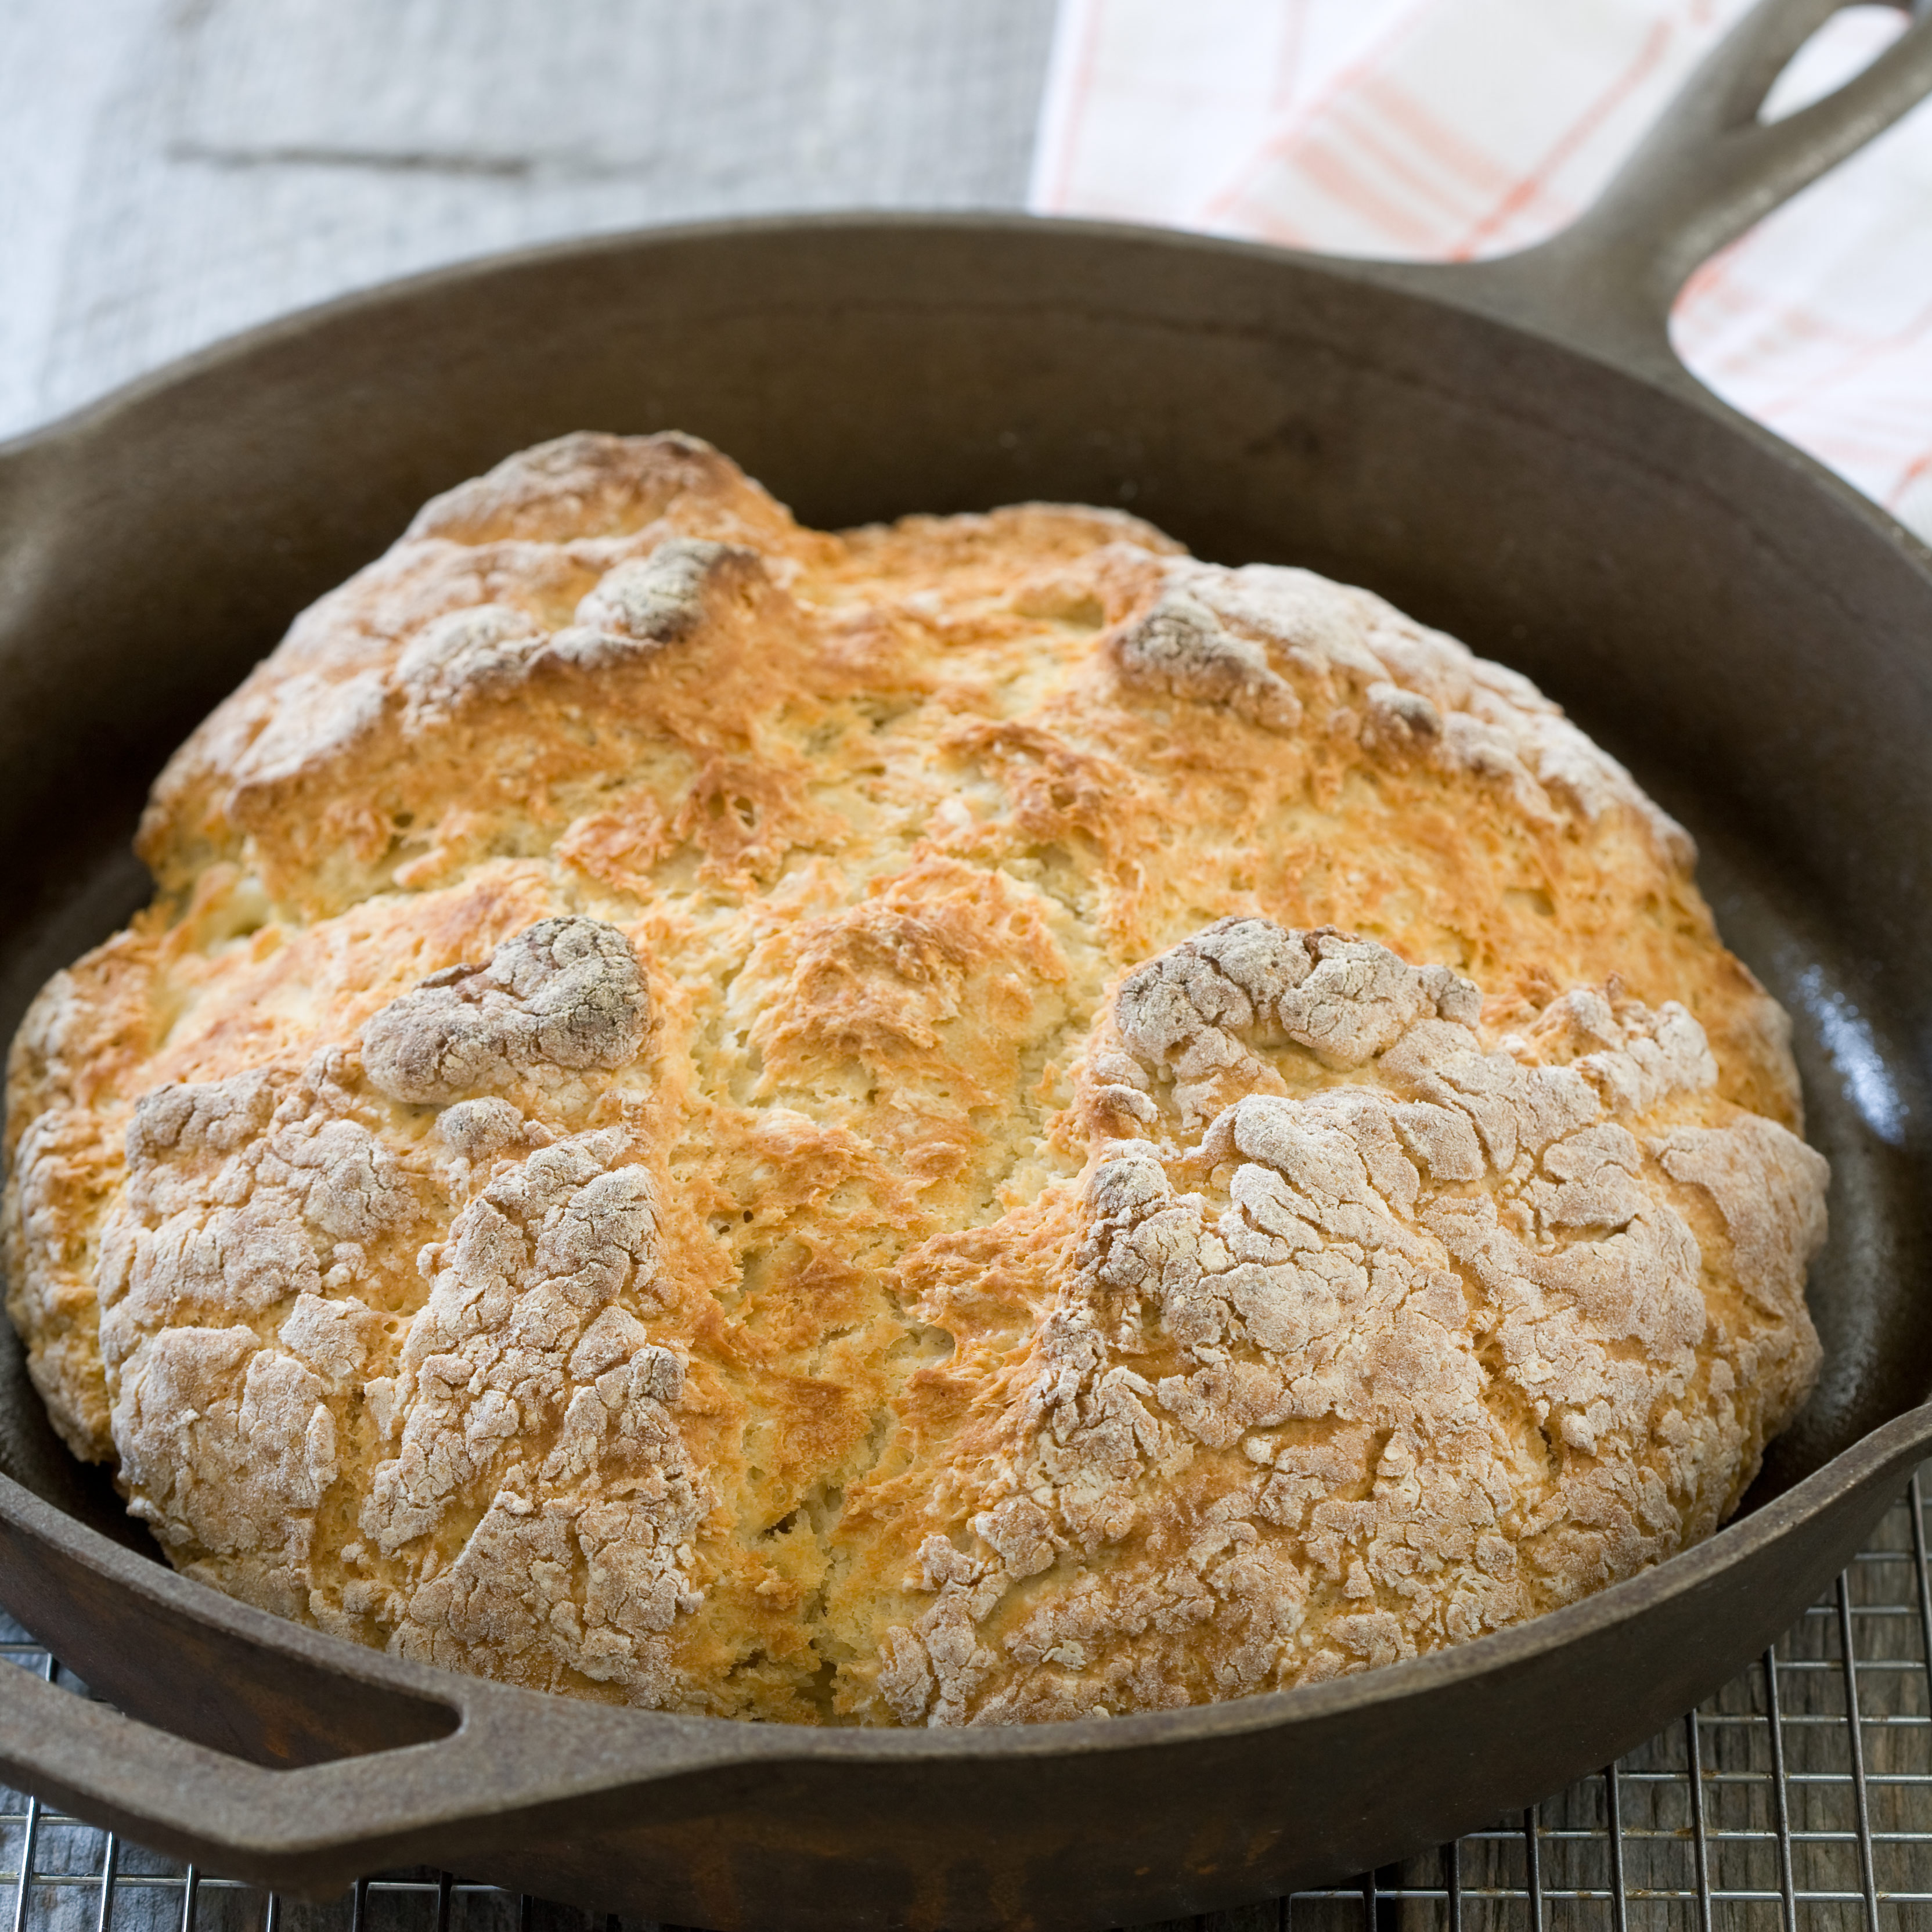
(1510, 451)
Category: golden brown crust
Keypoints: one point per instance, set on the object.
(897, 1127)
(1363, 1334)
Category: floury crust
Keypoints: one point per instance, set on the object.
(974, 1121)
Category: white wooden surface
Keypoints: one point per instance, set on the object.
(173, 170)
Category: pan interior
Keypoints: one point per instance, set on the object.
(1748, 640)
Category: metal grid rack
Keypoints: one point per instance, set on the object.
(1797, 1799)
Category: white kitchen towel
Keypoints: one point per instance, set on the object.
(1462, 128)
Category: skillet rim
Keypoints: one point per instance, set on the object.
(1465, 286)
(1892, 1442)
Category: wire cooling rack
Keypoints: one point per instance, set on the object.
(1797, 1799)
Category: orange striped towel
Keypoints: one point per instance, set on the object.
(1460, 128)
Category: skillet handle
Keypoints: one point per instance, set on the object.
(1705, 171)
(315, 1828)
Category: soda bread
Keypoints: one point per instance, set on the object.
(963, 1122)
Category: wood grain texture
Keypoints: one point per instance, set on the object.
(171, 171)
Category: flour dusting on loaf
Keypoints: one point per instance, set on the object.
(969, 1121)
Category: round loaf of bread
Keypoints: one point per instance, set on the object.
(969, 1121)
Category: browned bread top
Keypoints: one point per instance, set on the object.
(971, 1120)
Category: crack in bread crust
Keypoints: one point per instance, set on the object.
(970, 1121)
(1257, 1442)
